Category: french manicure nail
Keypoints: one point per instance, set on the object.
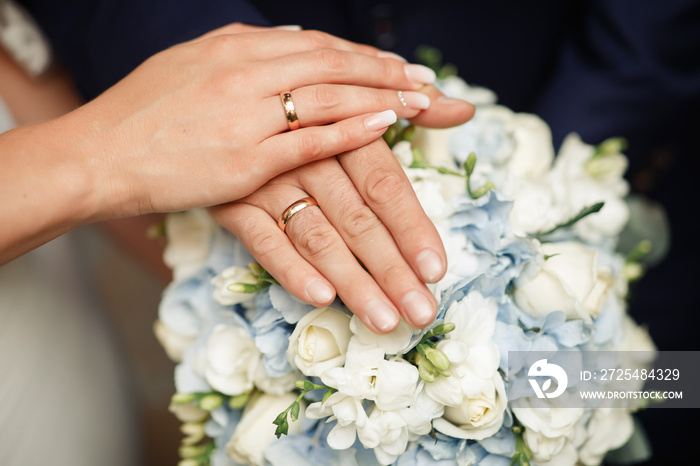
(289, 27)
(380, 120)
(319, 292)
(429, 265)
(414, 100)
(419, 74)
(385, 54)
(419, 307)
(381, 315)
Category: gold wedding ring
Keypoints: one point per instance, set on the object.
(289, 111)
(293, 209)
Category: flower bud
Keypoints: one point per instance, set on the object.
(191, 451)
(188, 462)
(183, 398)
(242, 288)
(211, 402)
(425, 374)
(633, 271)
(194, 432)
(255, 268)
(239, 401)
(438, 358)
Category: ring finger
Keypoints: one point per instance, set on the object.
(327, 103)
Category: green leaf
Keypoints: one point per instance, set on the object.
(281, 417)
(549, 256)
(586, 211)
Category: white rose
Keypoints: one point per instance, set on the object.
(256, 431)
(569, 281)
(608, 429)
(189, 236)
(174, 343)
(228, 277)
(319, 341)
(481, 413)
(232, 360)
(533, 152)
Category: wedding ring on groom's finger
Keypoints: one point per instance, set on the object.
(293, 209)
(289, 111)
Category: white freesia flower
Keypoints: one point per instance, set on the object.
(367, 375)
(474, 394)
(570, 280)
(256, 431)
(319, 341)
(232, 360)
(228, 277)
(547, 429)
(174, 343)
(349, 413)
(608, 429)
(388, 432)
(189, 236)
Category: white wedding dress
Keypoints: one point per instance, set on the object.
(63, 391)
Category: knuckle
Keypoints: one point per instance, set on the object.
(263, 242)
(318, 39)
(325, 97)
(359, 222)
(391, 272)
(332, 61)
(384, 187)
(316, 241)
(310, 145)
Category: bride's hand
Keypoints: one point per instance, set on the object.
(367, 211)
(202, 123)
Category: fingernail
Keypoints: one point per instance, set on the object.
(319, 292)
(417, 305)
(289, 27)
(429, 266)
(380, 120)
(381, 315)
(419, 74)
(414, 100)
(384, 54)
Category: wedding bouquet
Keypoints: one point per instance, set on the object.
(532, 267)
